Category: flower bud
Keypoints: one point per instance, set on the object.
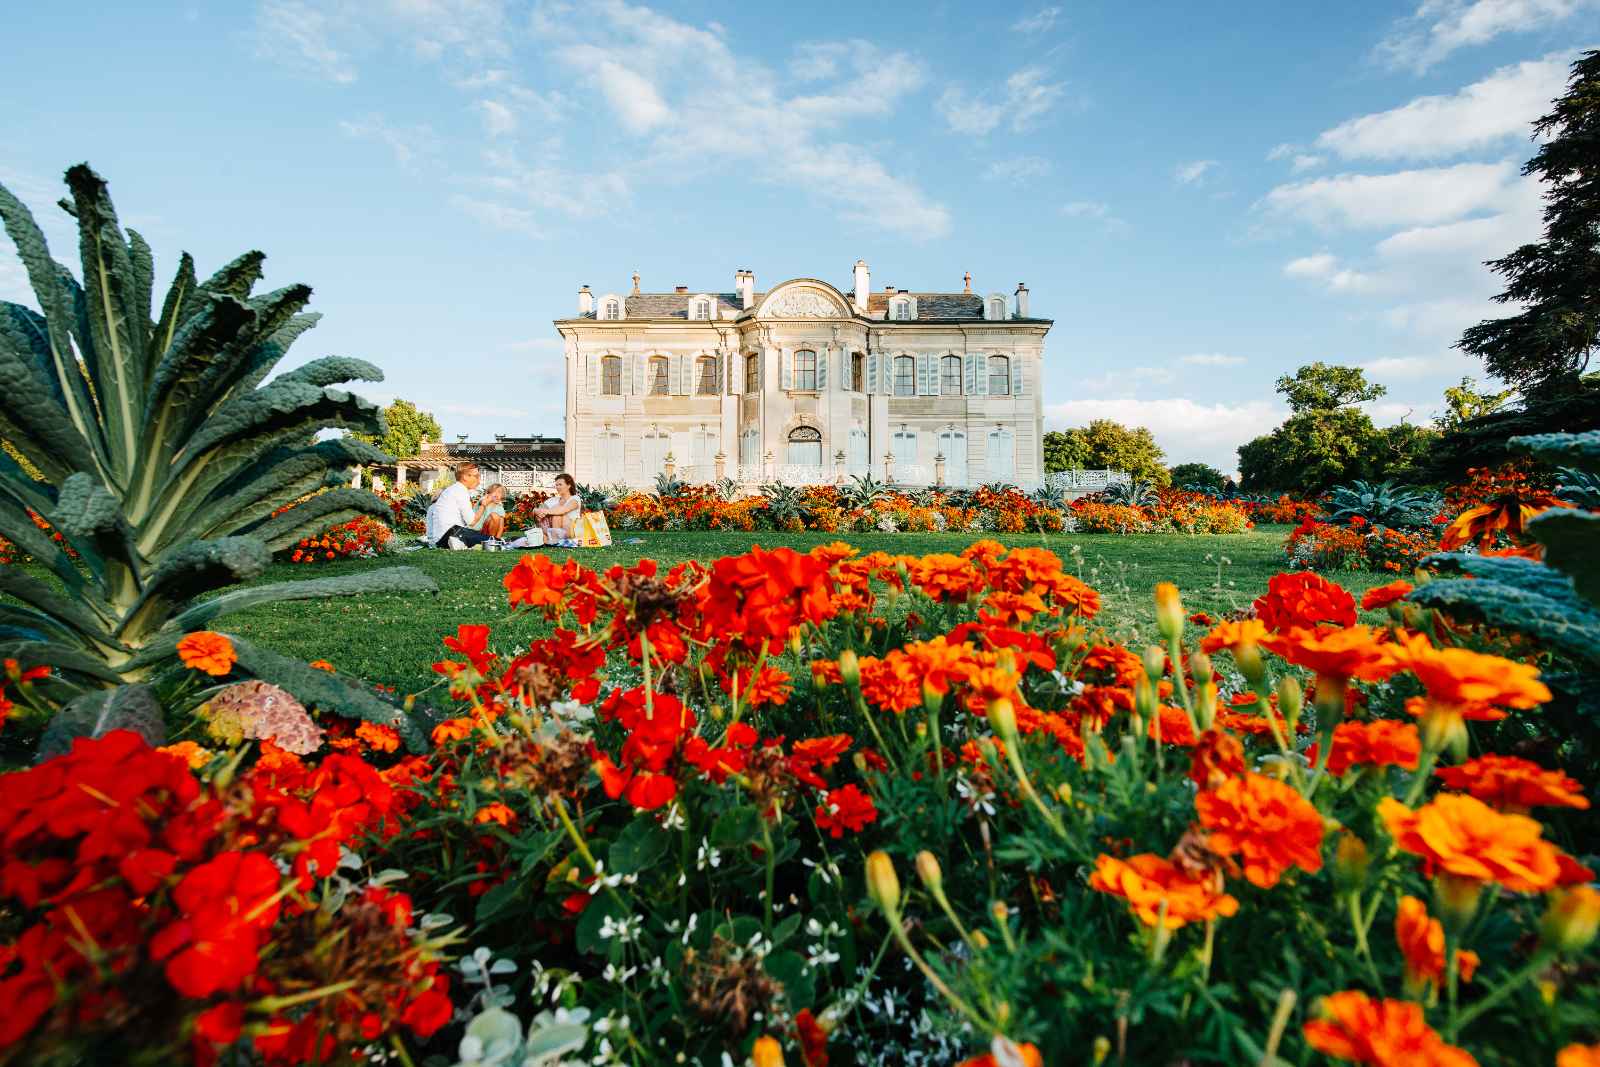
(1155, 662)
(883, 885)
(410, 702)
(1247, 657)
(795, 646)
(1206, 701)
(717, 712)
(928, 870)
(1290, 700)
(1200, 667)
(860, 762)
(1003, 718)
(1000, 912)
(1456, 900)
(980, 939)
(1102, 1050)
(921, 729)
(1350, 862)
(1572, 919)
(1169, 611)
(849, 668)
(767, 1052)
(1144, 698)
(1064, 792)
(932, 699)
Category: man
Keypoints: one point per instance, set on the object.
(452, 518)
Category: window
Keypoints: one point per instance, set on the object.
(750, 453)
(860, 461)
(700, 308)
(706, 376)
(653, 449)
(900, 309)
(752, 373)
(950, 376)
(608, 457)
(858, 370)
(703, 454)
(904, 447)
(611, 309)
(953, 446)
(905, 376)
(997, 307)
(999, 376)
(805, 448)
(658, 375)
(805, 371)
(1002, 458)
(611, 376)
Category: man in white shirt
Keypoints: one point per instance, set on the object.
(451, 516)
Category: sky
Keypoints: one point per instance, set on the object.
(1203, 197)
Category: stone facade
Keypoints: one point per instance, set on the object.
(804, 383)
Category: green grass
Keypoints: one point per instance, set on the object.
(394, 639)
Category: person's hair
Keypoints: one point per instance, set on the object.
(572, 483)
(492, 486)
(466, 469)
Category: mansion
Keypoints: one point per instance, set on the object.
(804, 383)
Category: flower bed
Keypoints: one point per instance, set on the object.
(1358, 546)
(1170, 511)
(826, 807)
(361, 538)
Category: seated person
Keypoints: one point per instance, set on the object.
(558, 516)
(493, 522)
(452, 520)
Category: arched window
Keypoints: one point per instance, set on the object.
(905, 376)
(997, 307)
(805, 371)
(999, 376)
(858, 372)
(900, 308)
(611, 309)
(953, 446)
(805, 448)
(752, 373)
(611, 376)
(950, 376)
(659, 369)
(706, 376)
(1002, 456)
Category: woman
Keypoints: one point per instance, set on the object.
(558, 516)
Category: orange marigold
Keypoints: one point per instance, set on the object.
(1304, 599)
(944, 577)
(495, 813)
(1269, 825)
(1421, 941)
(1463, 837)
(1383, 1033)
(1579, 1056)
(1218, 757)
(1514, 784)
(209, 652)
(1384, 595)
(1232, 634)
(1351, 652)
(1472, 684)
(1147, 881)
(452, 730)
(191, 753)
(1380, 743)
(379, 738)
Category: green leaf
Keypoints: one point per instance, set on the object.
(126, 707)
(198, 567)
(498, 899)
(1571, 541)
(1546, 609)
(327, 692)
(283, 474)
(640, 845)
(69, 661)
(549, 1044)
(89, 516)
(788, 968)
(318, 513)
(1580, 450)
(601, 908)
(387, 580)
(737, 826)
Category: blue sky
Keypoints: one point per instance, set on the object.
(1202, 196)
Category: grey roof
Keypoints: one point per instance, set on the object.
(931, 307)
(675, 305)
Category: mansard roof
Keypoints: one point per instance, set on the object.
(931, 306)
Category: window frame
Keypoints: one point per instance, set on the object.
(702, 365)
(910, 379)
(858, 372)
(1005, 375)
(946, 379)
(804, 378)
(610, 375)
(611, 310)
(752, 372)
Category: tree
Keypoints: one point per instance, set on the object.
(1482, 441)
(1327, 387)
(409, 426)
(1464, 403)
(1108, 445)
(1065, 451)
(1546, 347)
(1202, 475)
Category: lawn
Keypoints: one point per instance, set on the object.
(393, 639)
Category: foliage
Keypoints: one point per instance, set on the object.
(1547, 345)
(362, 537)
(1481, 441)
(1327, 387)
(1132, 492)
(862, 491)
(1464, 403)
(1356, 545)
(1158, 511)
(1382, 503)
(1197, 476)
(1108, 445)
(165, 458)
(406, 427)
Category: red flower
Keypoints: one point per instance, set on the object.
(473, 643)
(1381, 743)
(1265, 822)
(225, 905)
(1304, 599)
(1384, 595)
(845, 808)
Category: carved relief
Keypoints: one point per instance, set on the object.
(802, 304)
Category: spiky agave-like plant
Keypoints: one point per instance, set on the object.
(165, 459)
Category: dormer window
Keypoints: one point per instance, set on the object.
(611, 308)
(902, 309)
(700, 307)
(994, 307)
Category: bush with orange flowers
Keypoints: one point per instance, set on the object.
(361, 538)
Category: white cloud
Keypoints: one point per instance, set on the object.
(1027, 96)
(300, 35)
(1482, 114)
(1408, 368)
(1018, 169)
(1439, 27)
(1041, 21)
(1324, 268)
(1305, 162)
(1212, 359)
(497, 215)
(1086, 209)
(498, 119)
(1124, 378)
(1194, 173)
(1187, 429)
(631, 95)
(1404, 198)
(1283, 151)
(323, 37)
(408, 143)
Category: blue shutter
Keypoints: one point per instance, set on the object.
(823, 355)
(872, 373)
(981, 362)
(927, 375)
(972, 373)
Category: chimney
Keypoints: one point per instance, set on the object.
(635, 283)
(863, 285)
(585, 301)
(680, 288)
(966, 282)
(745, 282)
(1022, 301)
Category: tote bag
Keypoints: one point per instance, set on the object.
(593, 530)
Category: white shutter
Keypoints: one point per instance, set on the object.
(971, 370)
(1019, 381)
(927, 375)
(593, 360)
(680, 383)
(720, 373)
(886, 369)
(872, 372)
(627, 374)
(786, 369)
(824, 354)
(981, 376)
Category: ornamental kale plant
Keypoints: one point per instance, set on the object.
(1382, 503)
(168, 465)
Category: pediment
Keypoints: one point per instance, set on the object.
(804, 299)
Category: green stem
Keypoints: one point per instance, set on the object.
(1459, 1022)
(1424, 768)
(1360, 929)
(766, 846)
